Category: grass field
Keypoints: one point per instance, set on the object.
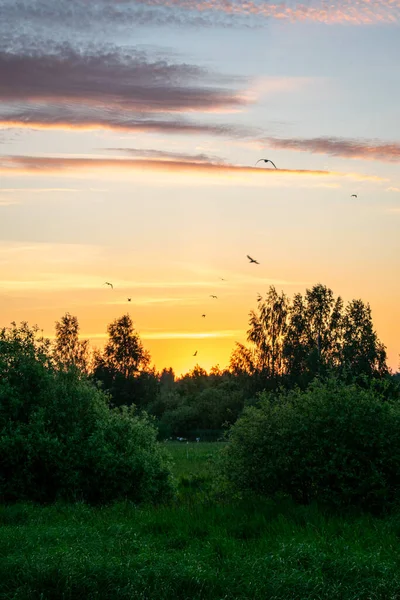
(193, 459)
(245, 550)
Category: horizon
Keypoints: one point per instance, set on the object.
(129, 136)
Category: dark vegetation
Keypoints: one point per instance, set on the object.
(300, 499)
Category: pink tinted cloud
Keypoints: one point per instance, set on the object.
(343, 147)
(10, 165)
(112, 79)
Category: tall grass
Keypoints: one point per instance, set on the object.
(249, 549)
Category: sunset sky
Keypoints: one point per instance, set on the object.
(129, 133)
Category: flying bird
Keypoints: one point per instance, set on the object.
(266, 160)
(222, 279)
(195, 354)
(354, 196)
(203, 315)
(212, 296)
(110, 284)
(253, 260)
(129, 299)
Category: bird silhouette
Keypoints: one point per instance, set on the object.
(253, 260)
(212, 296)
(203, 315)
(222, 279)
(266, 160)
(195, 354)
(354, 196)
(129, 299)
(110, 284)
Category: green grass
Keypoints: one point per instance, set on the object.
(193, 459)
(246, 550)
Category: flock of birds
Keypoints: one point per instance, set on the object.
(251, 260)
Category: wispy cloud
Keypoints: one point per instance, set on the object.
(10, 165)
(343, 147)
(190, 335)
(113, 78)
(170, 335)
(5, 202)
(164, 155)
(38, 190)
(85, 118)
(78, 15)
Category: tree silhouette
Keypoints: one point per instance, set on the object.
(363, 353)
(123, 353)
(267, 332)
(68, 349)
(122, 366)
(291, 342)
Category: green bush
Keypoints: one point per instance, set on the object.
(60, 440)
(334, 443)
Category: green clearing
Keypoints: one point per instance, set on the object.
(204, 549)
(193, 459)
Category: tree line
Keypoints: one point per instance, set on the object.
(291, 341)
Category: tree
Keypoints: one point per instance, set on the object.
(124, 353)
(362, 353)
(60, 440)
(334, 443)
(68, 350)
(313, 335)
(122, 367)
(263, 361)
(267, 331)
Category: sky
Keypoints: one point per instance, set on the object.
(129, 136)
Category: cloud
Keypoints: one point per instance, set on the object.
(10, 165)
(393, 189)
(96, 14)
(190, 335)
(5, 202)
(346, 148)
(163, 155)
(106, 78)
(38, 190)
(83, 118)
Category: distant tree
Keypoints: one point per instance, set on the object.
(68, 349)
(122, 362)
(167, 379)
(124, 352)
(267, 331)
(362, 353)
(293, 342)
(193, 382)
(313, 342)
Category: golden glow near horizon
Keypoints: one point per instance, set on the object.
(128, 161)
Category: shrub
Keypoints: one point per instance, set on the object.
(335, 443)
(60, 440)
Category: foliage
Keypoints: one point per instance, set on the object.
(59, 438)
(122, 367)
(68, 350)
(291, 342)
(334, 443)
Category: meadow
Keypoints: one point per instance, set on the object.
(199, 547)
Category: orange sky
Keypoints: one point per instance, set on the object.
(129, 137)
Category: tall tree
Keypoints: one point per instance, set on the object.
(362, 352)
(68, 349)
(267, 331)
(124, 352)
